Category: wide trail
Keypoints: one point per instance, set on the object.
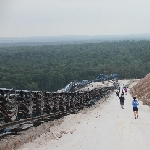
(107, 127)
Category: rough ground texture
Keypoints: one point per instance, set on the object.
(105, 126)
(50, 130)
(142, 90)
(14, 142)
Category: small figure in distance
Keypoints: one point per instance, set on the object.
(122, 100)
(125, 89)
(119, 89)
(135, 104)
(117, 93)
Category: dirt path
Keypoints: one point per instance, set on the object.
(106, 127)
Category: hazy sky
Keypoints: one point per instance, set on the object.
(22, 18)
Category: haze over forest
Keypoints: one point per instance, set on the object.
(51, 67)
(54, 40)
(46, 44)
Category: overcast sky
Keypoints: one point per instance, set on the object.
(23, 18)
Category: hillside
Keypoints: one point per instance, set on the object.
(142, 90)
(52, 67)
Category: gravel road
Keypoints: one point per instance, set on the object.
(102, 127)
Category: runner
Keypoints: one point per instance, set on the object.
(135, 104)
(122, 100)
(125, 89)
(121, 90)
(117, 93)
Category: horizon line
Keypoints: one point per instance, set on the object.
(55, 36)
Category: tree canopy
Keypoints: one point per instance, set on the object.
(52, 67)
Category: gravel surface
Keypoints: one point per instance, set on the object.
(102, 127)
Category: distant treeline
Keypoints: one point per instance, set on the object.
(52, 67)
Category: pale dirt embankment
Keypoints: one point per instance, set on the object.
(103, 127)
(142, 90)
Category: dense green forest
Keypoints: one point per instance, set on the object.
(52, 67)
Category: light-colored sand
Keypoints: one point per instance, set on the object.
(103, 127)
(94, 85)
(133, 82)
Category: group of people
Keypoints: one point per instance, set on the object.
(121, 91)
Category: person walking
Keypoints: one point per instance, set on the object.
(121, 91)
(135, 104)
(125, 89)
(117, 93)
(122, 100)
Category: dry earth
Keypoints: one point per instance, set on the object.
(52, 129)
(105, 126)
(142, 90)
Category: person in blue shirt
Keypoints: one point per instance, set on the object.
(135, 104)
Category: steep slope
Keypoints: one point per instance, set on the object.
(142, 90)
